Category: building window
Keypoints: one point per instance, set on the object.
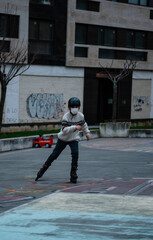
(41, 37)
(111, 37)
(4, 46)
(93, 6)
(82, 4)
(107, 36)
(136, 39)
(41, 30)
(9, 26)
(130, 39)
(143, 2)
(139, 2)
(137, 56)
(101, 36)
(150, 3)
(45, 2)
(81, 52)
(81, 34)
(106, 53)
(117, 54)
(87, 5)
(135, 2)
(140, 40)
(151, 14)
(40, 48)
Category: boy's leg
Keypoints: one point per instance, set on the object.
(75, 154)
(60, 145)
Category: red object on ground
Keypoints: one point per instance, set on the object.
(41, 142)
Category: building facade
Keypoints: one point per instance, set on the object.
(72, 39)
(99, 32)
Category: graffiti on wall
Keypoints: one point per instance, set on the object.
(45, 106)
(139, 102)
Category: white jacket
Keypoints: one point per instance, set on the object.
(68, 131)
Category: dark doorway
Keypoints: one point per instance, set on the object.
(91, 95)
(98, 94)
(105, 99)
(124, 98)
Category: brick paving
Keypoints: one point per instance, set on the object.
(119, 186)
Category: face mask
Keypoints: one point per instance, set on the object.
(74, 111)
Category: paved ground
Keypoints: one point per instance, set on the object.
(80, 216)
(112, 199)
(120, 144)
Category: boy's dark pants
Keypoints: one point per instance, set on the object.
(60, 146)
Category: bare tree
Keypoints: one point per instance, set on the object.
(128, 67)
(12, 64)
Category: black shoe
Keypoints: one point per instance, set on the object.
(73, 176)
(41, 172)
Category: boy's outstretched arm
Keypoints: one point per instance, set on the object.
(88, 137)
(86, 131)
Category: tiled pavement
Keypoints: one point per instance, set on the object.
(122, 144)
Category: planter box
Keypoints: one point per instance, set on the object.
(114, 129)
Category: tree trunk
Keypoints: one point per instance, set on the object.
(114, 111)
(2, 102)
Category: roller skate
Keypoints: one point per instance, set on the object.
(41, 172)
(73, 175)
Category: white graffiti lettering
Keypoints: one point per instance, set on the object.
(45, 106)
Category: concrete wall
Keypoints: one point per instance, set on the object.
(142, 95)
(122, 130)
(27, 142)
(141, 133)
(115, 129)
(42, 93)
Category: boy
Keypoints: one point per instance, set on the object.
(72, 123)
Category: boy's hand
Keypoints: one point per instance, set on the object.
(88, 137)
(78, 127)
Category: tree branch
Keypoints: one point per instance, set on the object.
(128, 67)
(107, 72)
